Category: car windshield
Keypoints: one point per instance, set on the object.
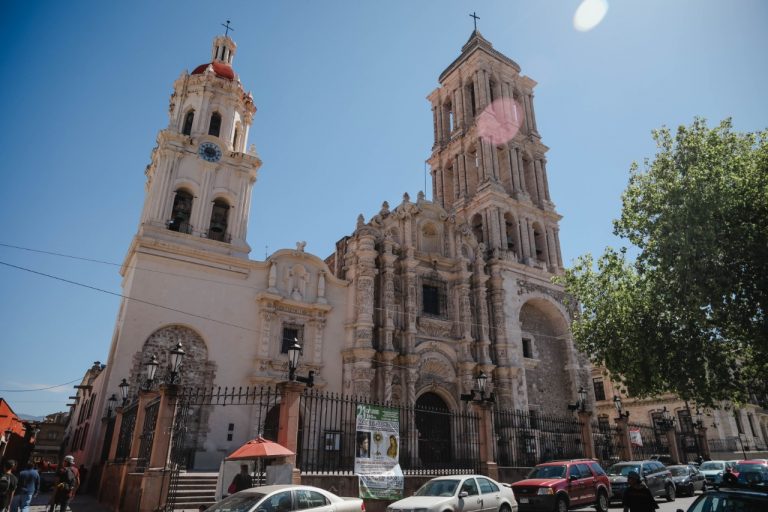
(438, 488)
(749, 467)
(736, 502)
(712, 465)
(240, 502)
(678, 471)
(547, 472)
(622, 469)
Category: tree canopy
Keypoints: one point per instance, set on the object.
(688, 313)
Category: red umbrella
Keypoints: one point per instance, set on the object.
(258, 448)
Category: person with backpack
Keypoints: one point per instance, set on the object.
(67, 484)
(27, 488)
(8, 484)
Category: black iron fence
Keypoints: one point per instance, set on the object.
(126, 432)
(431, 440)
(608, 441)
(147, 433)
(647, 441)
(526, 438)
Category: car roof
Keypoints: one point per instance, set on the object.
(568, 461)
(454, 477)
(267, 489)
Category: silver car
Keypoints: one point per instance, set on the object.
(286, 498)
(459, 493)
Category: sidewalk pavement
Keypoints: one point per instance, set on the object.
(81, 503)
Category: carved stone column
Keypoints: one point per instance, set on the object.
(481, 308)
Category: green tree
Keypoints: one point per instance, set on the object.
(688, 314)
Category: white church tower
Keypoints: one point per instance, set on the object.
(199, 181)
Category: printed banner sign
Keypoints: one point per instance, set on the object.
(635, 438)
(377, 452)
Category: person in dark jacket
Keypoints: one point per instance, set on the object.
(637, 497)
(27, 488)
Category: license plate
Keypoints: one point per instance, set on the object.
(523, 500)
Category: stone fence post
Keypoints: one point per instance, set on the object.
(288, 432)
(488, 466)
(622, 427)
(587, 439)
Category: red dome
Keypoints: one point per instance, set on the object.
(221, 69)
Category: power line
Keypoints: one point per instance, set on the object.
(37, 389)
(393, 311)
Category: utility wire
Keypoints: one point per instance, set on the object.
(394, 311)
(37, 389)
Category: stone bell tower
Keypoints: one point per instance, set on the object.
(488, 163)
(199, 182)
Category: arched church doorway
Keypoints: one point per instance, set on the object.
(434, 429)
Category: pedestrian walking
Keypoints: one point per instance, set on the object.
(28, 487)
(8, 484)
(68, 480)
(637, 497)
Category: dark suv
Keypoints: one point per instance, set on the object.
(652, 472)
(563, 485)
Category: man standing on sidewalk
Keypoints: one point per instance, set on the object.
(68, 482)
(27, 488)
(8, 484)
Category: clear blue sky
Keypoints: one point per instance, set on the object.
(342, 125)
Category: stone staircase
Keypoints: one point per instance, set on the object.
(195, 489)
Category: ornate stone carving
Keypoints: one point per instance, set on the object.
(434, 327)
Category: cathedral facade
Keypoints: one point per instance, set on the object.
(410, 308)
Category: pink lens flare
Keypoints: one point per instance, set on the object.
(500, 121)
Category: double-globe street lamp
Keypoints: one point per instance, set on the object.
(581, 402)
(623, 415)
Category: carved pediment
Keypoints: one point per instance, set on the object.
(434, 327)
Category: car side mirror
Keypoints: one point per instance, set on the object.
(572, 478)
(463, 494)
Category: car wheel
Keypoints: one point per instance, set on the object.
(504, 508)
(602, 502)
(670, 493)
(561, 505)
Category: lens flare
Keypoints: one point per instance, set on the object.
(500, 121)
(589, 14)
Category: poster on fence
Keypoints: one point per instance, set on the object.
(635, 438)
(377, 452)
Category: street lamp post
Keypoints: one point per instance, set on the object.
(177, 354)
(619, 407)
(294, 353)
(124, 390)
(581, 402)
(478, 396)
(151, 365)
(111, 405)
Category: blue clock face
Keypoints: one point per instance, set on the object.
(209, 151)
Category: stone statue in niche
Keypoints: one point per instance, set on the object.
(321, 288)
(297, 282)
(272, 283)
(300, 246)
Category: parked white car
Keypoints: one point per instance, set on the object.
(459, 493)
(286, 498)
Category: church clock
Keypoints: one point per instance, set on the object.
(209, 151)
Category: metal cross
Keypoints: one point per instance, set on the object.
(228, 28)
(473, 15)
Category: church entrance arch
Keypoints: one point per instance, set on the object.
(434, 429)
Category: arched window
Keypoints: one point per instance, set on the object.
(214, 128)
(430, 239)
(510, 227)
(477, 227)
(219, 218)
(188, 119)
(181, 213)
(538, 240)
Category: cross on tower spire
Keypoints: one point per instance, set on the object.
(228, 28)
(473, 15)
